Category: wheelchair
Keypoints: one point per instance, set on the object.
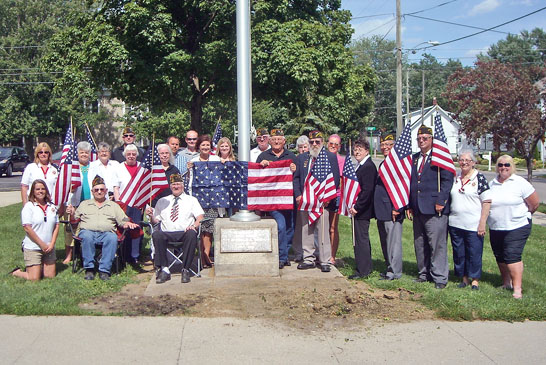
(77, 257)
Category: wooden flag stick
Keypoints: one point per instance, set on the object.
(90, 135)
(152, 168)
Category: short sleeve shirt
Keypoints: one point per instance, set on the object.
(100, 219)
(466, 201)
(188, 210)
(43, 224)
(34, 172)
(508, 208)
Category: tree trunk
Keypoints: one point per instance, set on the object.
(529, 161)
(196, 110)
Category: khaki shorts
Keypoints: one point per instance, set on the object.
(38, 257)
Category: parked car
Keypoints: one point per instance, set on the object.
(12, 159)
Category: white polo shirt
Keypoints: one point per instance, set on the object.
(108, 172)
(188, 210)
(466, 201)
(33, 215)
(508, 208)
(255, 152)
(34, 172)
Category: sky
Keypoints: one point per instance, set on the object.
(378, 17)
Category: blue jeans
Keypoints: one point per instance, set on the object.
(467, 252)
(285, 228)
(109, 242)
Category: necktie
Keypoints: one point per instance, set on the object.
(422, 163)
(174, 210)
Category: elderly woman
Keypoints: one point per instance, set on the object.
(226, 150)
(82, 192)
(513, 201)
(126, 171)
(105, 167)
(204, 143)
(42, 169)
(41, 225)
(167, 162)
(302, 143)
(470, 204)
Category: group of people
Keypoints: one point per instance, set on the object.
(438, 204)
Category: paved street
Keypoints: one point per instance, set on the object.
(11, 183)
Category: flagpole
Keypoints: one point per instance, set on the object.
(90, 135)
(152, 169)
(73, 129)
(352, 218)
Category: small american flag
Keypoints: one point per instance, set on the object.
(395, 171)
(76, 178)
(63, 184)
(149, 180)
(349, 187)
(440, 155)
(94, 154)
(216, 138)
(319, 187)
(270, 188)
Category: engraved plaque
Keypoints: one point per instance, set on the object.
(246, 240)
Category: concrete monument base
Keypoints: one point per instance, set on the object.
(246, 248)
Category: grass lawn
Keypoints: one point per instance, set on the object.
(488, 303)
(58, 296)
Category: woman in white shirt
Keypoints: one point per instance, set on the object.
(514, 200)
(204, 144)
(41, 225)
(470, 204)
(42, 169)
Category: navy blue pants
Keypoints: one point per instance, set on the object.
(467, 252)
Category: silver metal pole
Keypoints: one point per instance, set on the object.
(244, 93)
(399, 124)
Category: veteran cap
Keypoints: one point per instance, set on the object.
(97, 181)
(423, 129)
(262, 132)
(127, 130)
(277, 132)
(315, 134)
(387, 137)
(174, 178)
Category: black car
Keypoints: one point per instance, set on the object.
(12, 159)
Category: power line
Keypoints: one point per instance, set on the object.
(21, 47)
(371, 16)
(434, 7)
(382, 25)
(27, 83)
(483, 31)
(452, 23)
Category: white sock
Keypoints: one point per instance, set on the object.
(166, 269)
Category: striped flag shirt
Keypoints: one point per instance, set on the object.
(395, 171)
(440, 155)
(349, 187)
(319, 187)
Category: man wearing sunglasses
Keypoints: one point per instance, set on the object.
(430, 189)
(128, 137)
(190, 152)
(99, 218)
(262, 137)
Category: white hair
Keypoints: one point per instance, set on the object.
(166, 146)
(84, 146)
(130, 147)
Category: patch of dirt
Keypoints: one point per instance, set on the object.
(300, 304)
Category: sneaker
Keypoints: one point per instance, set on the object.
(162, 277)
(185, 276)
(104, 276)
(325, 268)
(89, 275)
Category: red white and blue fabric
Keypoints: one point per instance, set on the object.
(395, 171)
(64, 182)
(216, 138)
(270, 188)
(94, 154)
(440, 155)
(76, 178)
(350, 188)
(149, 180)
(319, 187)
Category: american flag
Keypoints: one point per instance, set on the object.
(76, 178)
(395, 171)
(440, 155)
(149, 180)
(319, 187)
(63, 184)
(349, 187)
(216, 138)
(270, 188)
(94, 154)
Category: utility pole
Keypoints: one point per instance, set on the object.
(422, 95)
(408, 118)
(399, 125)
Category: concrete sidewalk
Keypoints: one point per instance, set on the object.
(183, 340)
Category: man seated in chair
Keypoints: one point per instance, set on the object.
(180, 215)
(99, 218)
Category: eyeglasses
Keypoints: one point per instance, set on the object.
(386, 145)
(97, 190)
(262, 138)
(315, 141)
(128, 135)
(464, 160)
(333, 144)
(424, 138)
(43, 153)
(191, 139)
(500, 164)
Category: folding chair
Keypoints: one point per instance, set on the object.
(77, 256)
(175, 252)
